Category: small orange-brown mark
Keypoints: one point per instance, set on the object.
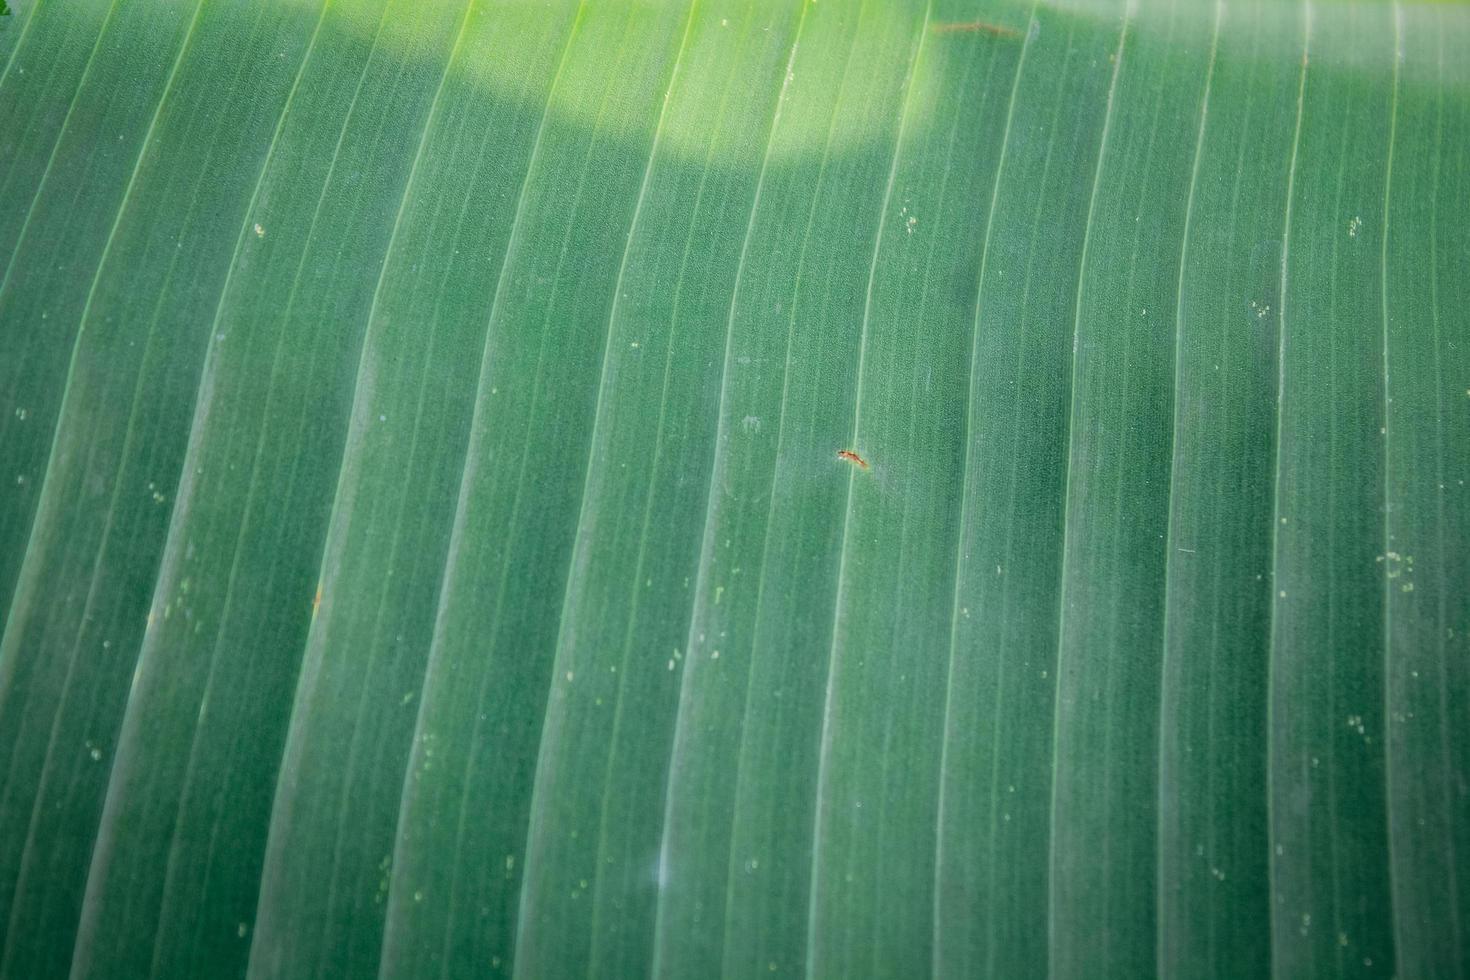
(852, 457)
(977, 27)
(316, 600)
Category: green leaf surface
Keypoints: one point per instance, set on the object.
(761, 487)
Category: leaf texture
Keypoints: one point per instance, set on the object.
(775, 487)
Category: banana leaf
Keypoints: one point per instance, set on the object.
(838, 488)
